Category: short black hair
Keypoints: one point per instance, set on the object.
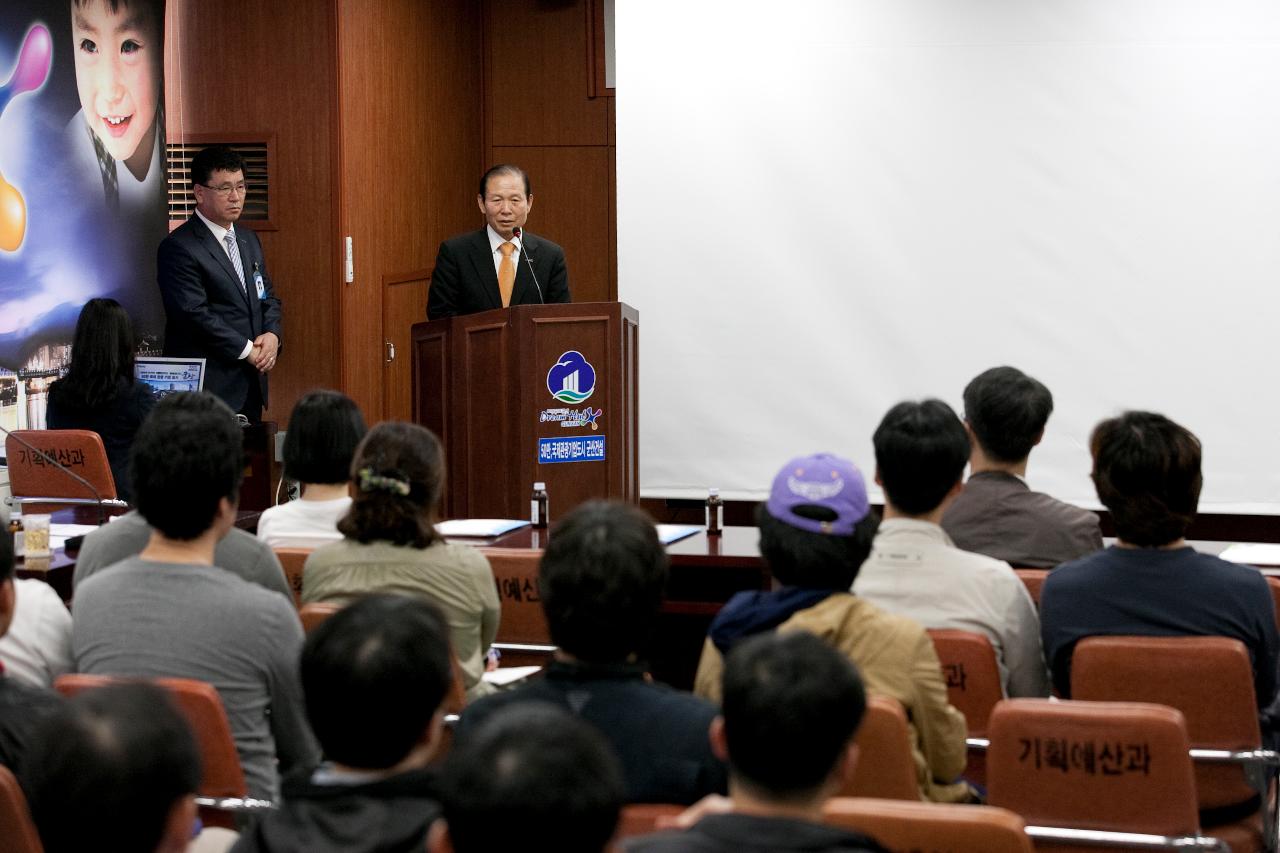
(1146, 469)
(104, 771)
(921, 450)
(1007, 411)
(373, 675)
(504, 169)
(532, 776)
(814, 560)
(791, 704)
(188, 455)
(398, 471)
(324, 429)
(601, 581)
(215, 158)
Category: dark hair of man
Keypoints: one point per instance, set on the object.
(101, 357)
(392, 456)
(532, 776)
(921, 450)
(814, 560)
(325, 428)
(215, 158)
(373, 675)
(6, 556)
(1007, 411)
(601, 580)
(187, 456)
(105, 771)
(504, 169)
(791, 704)
(1146, 469)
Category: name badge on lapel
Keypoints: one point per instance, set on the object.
(257, 280)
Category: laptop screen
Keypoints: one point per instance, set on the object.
(166, 375)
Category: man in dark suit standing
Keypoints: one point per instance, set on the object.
(218, 301)
(501, 264)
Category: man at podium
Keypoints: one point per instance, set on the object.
(501, 264)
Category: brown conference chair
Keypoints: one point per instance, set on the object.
(32, 478)
(17, 832)
(222, 779)
(292, 561)
(1208, 679)
(908, 827)
(315, 613)
(1033, 580)
(885, 768)
(523, 635)
(644, 818)
(1095, 766)
(972, 675)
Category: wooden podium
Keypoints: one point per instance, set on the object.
(529, 393)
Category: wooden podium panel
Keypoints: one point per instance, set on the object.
(529, 393)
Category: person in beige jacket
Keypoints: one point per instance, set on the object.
(816, 530)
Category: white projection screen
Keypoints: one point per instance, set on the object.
(828, 206)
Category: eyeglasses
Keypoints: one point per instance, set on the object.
(226, 189)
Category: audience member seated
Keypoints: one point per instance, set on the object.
(125, 536)
(531, 777)
(1146, 469)
(324, 429)
(374, 675)
(22, 706)
(815, 532)
(914, 569)
(99, 392)
(116, 770)
(37, 648)
(390, 544)
(601, 582)
(791, 709)
(997, 514)
(170, 612)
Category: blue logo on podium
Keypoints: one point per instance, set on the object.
(572, 379)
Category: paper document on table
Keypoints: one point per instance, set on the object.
(60, 533)
(478, 527)
(505, 675)
(1253, 553)
(669, 533)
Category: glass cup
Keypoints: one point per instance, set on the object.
(35, 535)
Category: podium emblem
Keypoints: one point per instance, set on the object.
(571, 379)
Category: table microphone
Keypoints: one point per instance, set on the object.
(524, 253)
(97, 496)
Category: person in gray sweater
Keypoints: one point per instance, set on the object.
(170, 612)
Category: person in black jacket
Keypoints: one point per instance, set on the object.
(374, 675)
(99, 392)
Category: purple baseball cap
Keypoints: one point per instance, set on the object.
(825, 480)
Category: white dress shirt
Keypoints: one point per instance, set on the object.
(495, 241)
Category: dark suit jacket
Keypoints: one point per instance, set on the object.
(998, 515)
(207, 314)
(465, 280)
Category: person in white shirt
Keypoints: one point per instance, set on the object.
(916, 571)
(37, 648)
(324, 429)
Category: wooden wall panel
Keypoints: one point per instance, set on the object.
(410, 104)
(229, 70)
(539, 114)
(571, 207)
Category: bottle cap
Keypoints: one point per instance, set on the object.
(714, 493)
(539, 486)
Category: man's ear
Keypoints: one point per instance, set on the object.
(879, 481)
(178, 826)
(842, 773)
(438, 840)
(719, 743)
(1039, 438)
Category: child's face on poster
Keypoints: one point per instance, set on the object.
(119, 67)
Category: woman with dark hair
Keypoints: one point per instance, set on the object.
(390, 544)
(98, 392)
(324, 429)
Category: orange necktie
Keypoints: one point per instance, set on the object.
(506, 273)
